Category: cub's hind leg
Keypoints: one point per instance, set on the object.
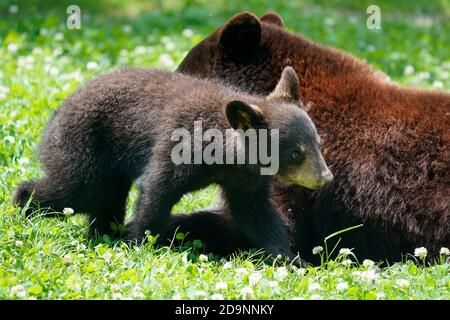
(111, 209)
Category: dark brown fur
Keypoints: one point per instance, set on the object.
(118, 128)
(389, 146)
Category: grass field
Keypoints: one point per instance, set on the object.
(42, 62)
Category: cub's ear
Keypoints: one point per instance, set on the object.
(240, 36)
(244, 116)
(273, 18)
(287, 87)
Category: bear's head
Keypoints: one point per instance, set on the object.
(297, 146)
(248, 52)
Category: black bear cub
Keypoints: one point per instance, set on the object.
(120, 127)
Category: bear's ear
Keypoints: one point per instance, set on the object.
(241, 115)
(287, 87)
(273, 18)
(240, 36)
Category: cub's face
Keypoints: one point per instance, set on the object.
(297, 146)
(300, 157)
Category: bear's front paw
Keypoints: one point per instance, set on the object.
(133, 234)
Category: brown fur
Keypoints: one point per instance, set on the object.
(388, 146)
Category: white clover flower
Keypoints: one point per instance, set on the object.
(122, 60)
(273, 284)
(345, 251)
(115, 287)
(24, 161)
(301, 271)
(247, 293)
(38, 51)
(76, 75)
(316, 297)
(137, 294)
(281, 272)
(402, 283)
(68, 211)
(438, 84)
(342, 286)
(19, 244)
(140, 50)
(43, 32)
(13, 9)
(217, 296)
(317, 250)
(409, 70)
(166, 61)
(9, 139)
(200, 293)
(202, 258)
(92, 65)
(59, 36)
(57, 52)
(380, 295)
(443, 75)
(127, 28)
(368, 275)
(3, 92)
(254, 278)
(12, 48)
(347, 262)
(188, 33)
(444, 251)
(423, 22)
(221, 285)
(170, 46)
(18, 291)
(117, 296)
(25, 62)
(176, 297)
(421, 252)
(53, 71)
(368, 263)
(314, 287)
(227, 265)
(241, 271)
(68, 258)
(424, 75)
(107, 256)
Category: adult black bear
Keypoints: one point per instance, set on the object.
(121, 126)
(387, 145)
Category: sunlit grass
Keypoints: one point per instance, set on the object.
(41, 63)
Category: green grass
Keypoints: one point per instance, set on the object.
(41, 62)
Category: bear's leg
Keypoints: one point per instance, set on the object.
(215, 228)
(160, 190)
(103, 198)
(108, 216)
(257, 218)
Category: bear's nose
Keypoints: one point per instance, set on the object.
(326, 178)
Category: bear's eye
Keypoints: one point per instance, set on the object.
(297, 156)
